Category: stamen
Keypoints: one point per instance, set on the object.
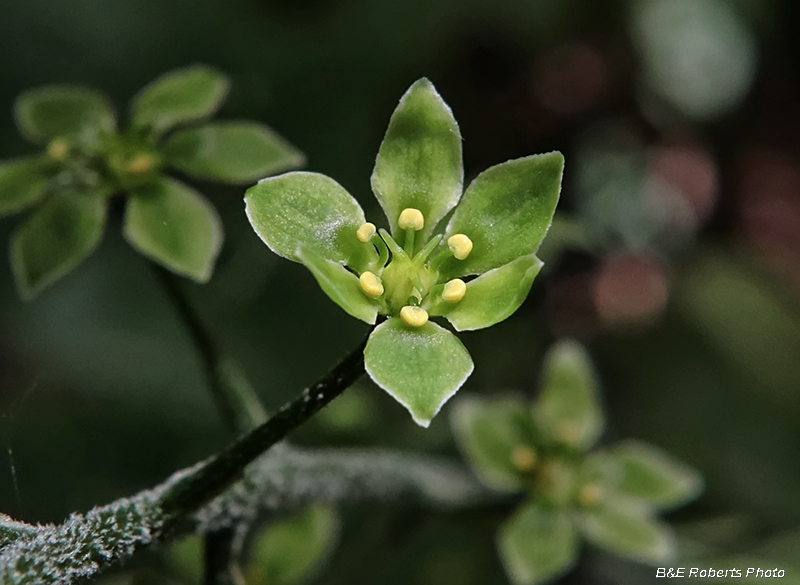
(58, 149)
(590, 495)
(411, 218)
(460, 245)
(524, 458)
(370, 284)
(414, 316)
(454, 290)
(140, 164)
(365, 232)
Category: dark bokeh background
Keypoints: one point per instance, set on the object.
(676, 257)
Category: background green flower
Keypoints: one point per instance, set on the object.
(87, 160)
(611, 496)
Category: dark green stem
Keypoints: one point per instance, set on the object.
(220, 556)
(220, 472)
(235, 401)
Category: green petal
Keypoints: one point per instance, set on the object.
(310, 209)
(291, 550)
(234, 152)
(420, 367)
(568, 408)
(506, 211)
(177, 97)
(57, 237)
(537, 544)
(628, 533)
(488, 432)
(54, 111)
(175, 226)
(650, 474)
(340, 285)
(419, 162)
(493, 296)
(23, 182)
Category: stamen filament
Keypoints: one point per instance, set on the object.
(409, 247)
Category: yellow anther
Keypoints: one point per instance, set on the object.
(524, 458)
(460, 245)
(141, 164)
(590, 495)
(365, 232)
(370, 284)
(568, 432)
(411, 218)
(58, 149)
(414, 316)
(454, 290)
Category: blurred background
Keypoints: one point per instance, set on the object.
(675, 255)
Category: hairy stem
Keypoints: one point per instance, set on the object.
(218, 473)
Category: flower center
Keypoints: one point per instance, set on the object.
(404, 279)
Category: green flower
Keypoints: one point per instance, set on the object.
(87, 160)
(416, 270)
(610, 496)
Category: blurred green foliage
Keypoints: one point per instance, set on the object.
(101, 393)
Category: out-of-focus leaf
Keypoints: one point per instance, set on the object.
(175, 226)
(177, 97)
(568, 408)
(56, 238)
(54, 111)
(490, 432)
(537, 544)
(235, 152)
(291, 550)
(23, 182)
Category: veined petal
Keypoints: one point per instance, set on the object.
(506, 212)
(306, 209)
(419, 163)
(340, 285)
(420, 367)
(493, 296)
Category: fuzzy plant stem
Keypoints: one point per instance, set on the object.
(237, 404)
(223, 470)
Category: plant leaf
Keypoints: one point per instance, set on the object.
(54, 111)
(420, 367)
(179, 96)
(506, 212)
(488, 432)
(23, 182)
(306, 209)
(291, 550)
(628, 533)
(493, 296)
(234, 152)
(57, 237)
(175, 226)
(651, 474)
(340, 285)
(419, 163)
(537, 544)
(568, 408)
